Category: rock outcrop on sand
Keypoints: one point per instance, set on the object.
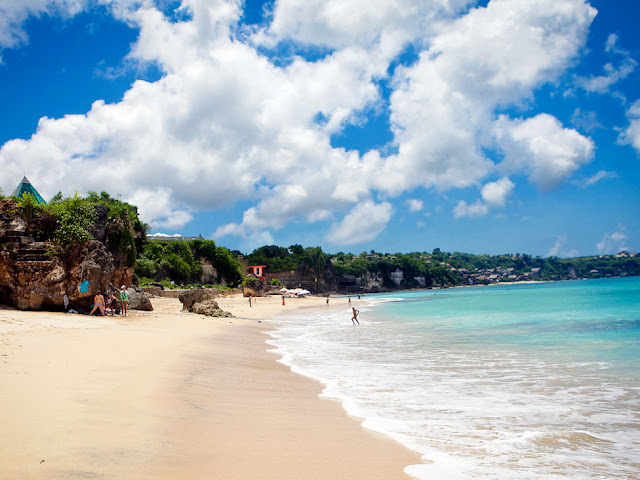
(190, 297)
(210, 308)
(202, 301)
(139, 300)
(32, 278)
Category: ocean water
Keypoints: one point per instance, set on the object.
(529, 381)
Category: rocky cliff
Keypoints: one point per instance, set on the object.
(31, 278)
(307, 278)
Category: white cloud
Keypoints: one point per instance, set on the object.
(156, 204)
(226, 124)
(560, 248)
(209, 133)
(541, 148)
(338, 23)
(612, 243)
(587, 121)
(362, 224)
(595, 178)
(611, 45)
(415, 204)
(631, 136)
(612, 74)
(13, 14)
(442, 107)
(463, 209)
(494, 196)
(495, 193)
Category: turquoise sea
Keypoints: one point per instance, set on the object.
(528, 381)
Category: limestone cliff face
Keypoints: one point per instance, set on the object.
(305, 277)
(32, 279)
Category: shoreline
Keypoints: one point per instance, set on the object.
(165, 394)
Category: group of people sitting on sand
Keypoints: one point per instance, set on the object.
(104, 305)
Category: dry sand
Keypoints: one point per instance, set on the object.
(172, 395)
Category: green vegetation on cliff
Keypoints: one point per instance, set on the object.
(69, 223)
(446, 269)
(375, 270)
(182, 262)
(280, 259)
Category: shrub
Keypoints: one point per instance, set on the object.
(30, 206)
(75, 219)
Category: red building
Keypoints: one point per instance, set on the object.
(257, 270)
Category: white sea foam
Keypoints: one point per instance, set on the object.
(474, 405)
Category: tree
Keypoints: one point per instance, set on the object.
(180, 269)
(296, 250)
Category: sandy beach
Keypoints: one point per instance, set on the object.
(169, 395)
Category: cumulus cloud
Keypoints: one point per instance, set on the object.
(156, 204)
(338, 23)
(541, 148)
(442, 107)
(415, 204)
(615, 242)
(362, 224)
(495, 193)
(228, 123)
(463, 209)
(631, 136)
(494, 196)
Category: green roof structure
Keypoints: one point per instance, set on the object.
(25, 187)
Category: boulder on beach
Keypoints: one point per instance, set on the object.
(191, 297)
(210, 308)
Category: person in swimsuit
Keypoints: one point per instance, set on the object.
(354, 319)
(124, 299)
(98, 303)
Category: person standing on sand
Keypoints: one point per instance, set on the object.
(349, 300)
(98, 303)
(354, 319)
(283, 300)
(124, 299)
(250, 300)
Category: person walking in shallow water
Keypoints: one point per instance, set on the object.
(354, 319)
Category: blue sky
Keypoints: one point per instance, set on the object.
(498, 126)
